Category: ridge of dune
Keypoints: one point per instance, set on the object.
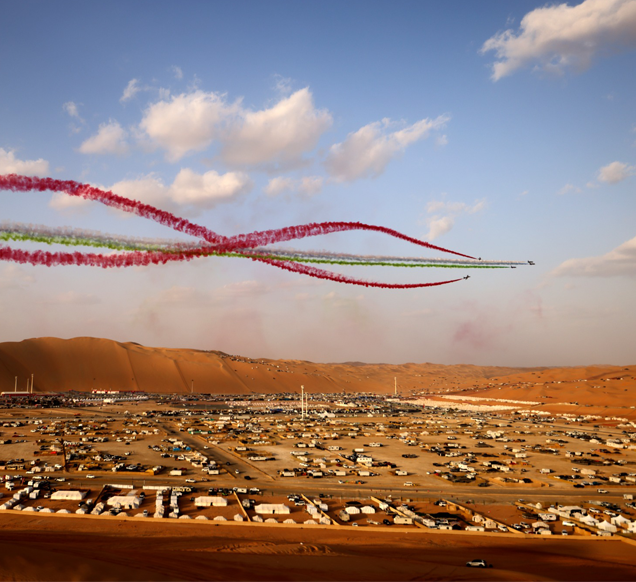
(86, 364)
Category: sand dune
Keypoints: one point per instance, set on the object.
(86, 364)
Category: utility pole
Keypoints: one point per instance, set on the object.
(16, 384)
(31, 383)
(395, 380)
(302, 402)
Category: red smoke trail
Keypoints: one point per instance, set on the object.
(18, 183)
(26, 183)
(266, 237)
(218, 243)
(327, 275)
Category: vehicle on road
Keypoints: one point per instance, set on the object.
(478, 564)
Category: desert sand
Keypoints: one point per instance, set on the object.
(86, 364)
(54, 548)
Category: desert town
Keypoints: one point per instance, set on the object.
(445, 462)
(479, 465)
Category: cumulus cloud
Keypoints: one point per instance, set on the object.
(186, 123)
(177, 72)
(619, 262)
(615, 172)
(558, 37)
(189, 190)
(443, 214)
(9, 164)
(209, 189)
(367, 152)
(191, 122)
(307, 186)
(280, 134)
(110, 139)
(130, 91)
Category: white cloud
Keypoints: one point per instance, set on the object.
(189, 190)
(307, 186)
(282, 84)
(366, 152)
(441, 141)
(73, 111)
(619, 262)
(178, 73)
(209, 189)
(130, 91)
(110, 139)
(69, 204)
(439, 225)
(186, 123)
(569, 188)
(615, 172)
(443, 215)
(9, 164)
(191, 122)
(558, 37)
(280, 134)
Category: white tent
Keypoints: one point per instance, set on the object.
(310, 522)
(270, 520)
(257, 519)
(184, 517)
(239, 517)
(125, 501)
(58, 511)
(205, 501)
(352, 510)
(201, 518)
(273, 508)
(289, 521)
(72, 495)
(220, 518)
(367, 509)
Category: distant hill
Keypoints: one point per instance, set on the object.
(88, 363)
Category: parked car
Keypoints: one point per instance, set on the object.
(478, 564)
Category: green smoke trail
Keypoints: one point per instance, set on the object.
(127, 246)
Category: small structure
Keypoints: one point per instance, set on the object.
(272, 508)
(69, 495)
(206, 501)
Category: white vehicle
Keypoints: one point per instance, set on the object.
(478, 564)
(191, 481)
(90, 476)
(408, 484)
(61, 479)
(569, 524)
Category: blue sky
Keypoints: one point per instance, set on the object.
(503, 130)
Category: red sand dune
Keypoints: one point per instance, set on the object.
(89, 363)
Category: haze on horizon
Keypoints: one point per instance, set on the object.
(505, 131)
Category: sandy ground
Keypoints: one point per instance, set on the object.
(52, 548)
